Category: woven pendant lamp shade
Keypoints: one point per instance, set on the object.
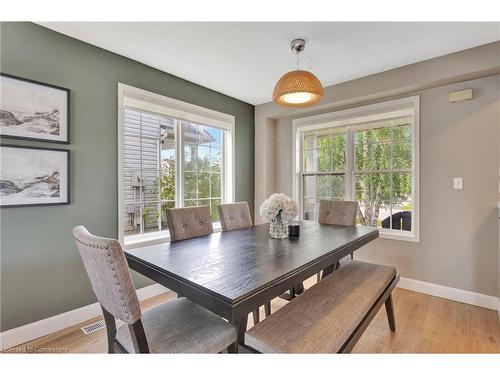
(298, 88)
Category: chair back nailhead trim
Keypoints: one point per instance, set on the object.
(109, 275)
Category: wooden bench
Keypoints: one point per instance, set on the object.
(331, 316)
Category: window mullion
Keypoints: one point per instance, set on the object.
(179, 164)
(350, 187)
(300, 178)
(141, 179)
(159, 176)
(391, 185)
(223, 172)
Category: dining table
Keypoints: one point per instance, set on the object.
(234, 273)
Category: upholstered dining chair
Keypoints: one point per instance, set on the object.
(189, 222)
(177, 326)
(337, 213)
(235, 216)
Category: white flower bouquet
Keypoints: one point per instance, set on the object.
(278, 210)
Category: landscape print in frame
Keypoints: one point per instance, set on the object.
(33, 110)
(32, 176)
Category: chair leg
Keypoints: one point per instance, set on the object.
(256, 316)
(233, 348)
(352, 256)
(110, 330)
(267, 308)
(138, 337)
(318, 277)
(389, 308)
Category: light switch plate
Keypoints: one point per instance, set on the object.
(457, 183)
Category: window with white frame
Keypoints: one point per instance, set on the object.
(169, 161)
(371, 158)
(323, 168)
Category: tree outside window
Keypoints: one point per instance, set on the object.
(381, 169)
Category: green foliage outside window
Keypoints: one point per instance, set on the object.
(383, 162)
(202, 181)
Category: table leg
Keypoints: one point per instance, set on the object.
(288, 296)
(241, 327)
(267, 308)
(328, 270)
(299, 289)
(292, 293)
(256, 316)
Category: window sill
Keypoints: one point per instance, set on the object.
(154, 238)
(407, 237)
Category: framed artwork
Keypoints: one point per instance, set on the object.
(33, 110)
(31, 176)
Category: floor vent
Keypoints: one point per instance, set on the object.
(91, 328)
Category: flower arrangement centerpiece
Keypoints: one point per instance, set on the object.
(278, 210)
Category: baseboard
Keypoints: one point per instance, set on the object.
(459, 295)
(28, 332)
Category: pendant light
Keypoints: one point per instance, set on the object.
(298, 88)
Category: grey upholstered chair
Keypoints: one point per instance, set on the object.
(338, 212)
(177, 326)
(342, 213)
(189, 222)
(237, 216)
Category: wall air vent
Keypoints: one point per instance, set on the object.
(460, 96)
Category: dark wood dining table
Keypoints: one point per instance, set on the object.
(233, 273)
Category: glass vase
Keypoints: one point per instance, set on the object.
(278, 228)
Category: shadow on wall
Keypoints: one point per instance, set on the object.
(482, 254)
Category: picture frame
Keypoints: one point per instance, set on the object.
(34, 176)
(32, 110)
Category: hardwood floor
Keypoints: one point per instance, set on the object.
(425, 324)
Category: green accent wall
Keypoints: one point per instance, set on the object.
(41, 271)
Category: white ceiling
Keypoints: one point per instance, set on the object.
(244, 60)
